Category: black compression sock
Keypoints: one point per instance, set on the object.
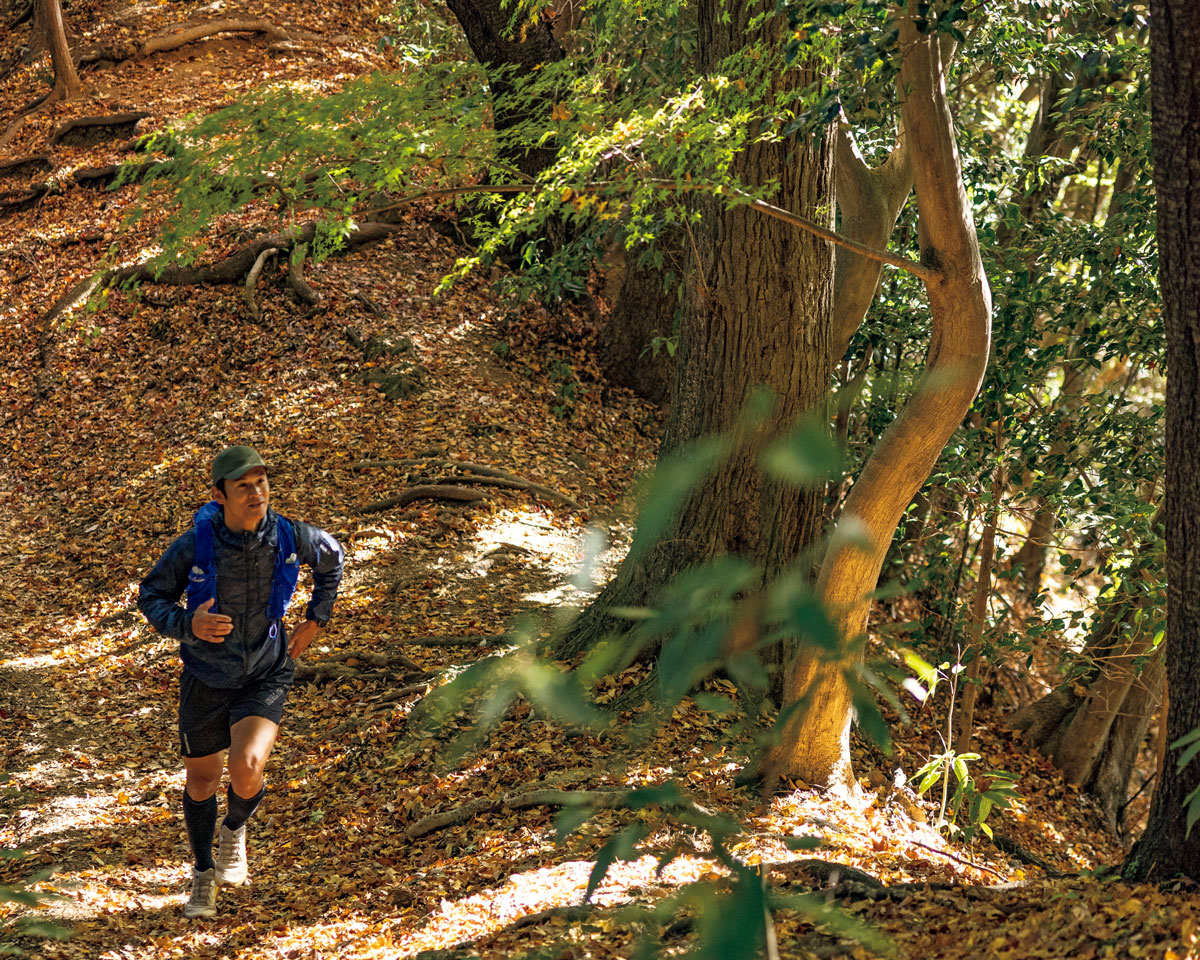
(200, 817)
(241, 809)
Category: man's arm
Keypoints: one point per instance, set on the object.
(325, 555)
(159, 593)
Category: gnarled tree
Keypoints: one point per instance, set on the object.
(814, 745)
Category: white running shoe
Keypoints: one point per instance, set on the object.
(231, 856)
(203, 901)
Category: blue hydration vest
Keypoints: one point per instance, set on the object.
(202, 580)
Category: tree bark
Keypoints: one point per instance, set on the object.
(642, 310)
(1166, 849)
(1092, 725)
(507, 54)
(757, 309)
(48, 22)
(815, 743)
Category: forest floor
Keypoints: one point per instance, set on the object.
(107, 426)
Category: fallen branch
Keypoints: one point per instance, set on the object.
(252, 279)
(487, 639)
(845, 882)
(956, 859)
(515, 801)
(1016, 851)
(163, 43)
(508, 480)
(424, 493)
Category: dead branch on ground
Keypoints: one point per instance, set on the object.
(165, 42)
(515, 801)
(428, 492)
(495, 477)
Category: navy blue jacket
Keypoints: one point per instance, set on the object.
(256, 648)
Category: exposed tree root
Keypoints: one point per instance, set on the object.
(162, 43)
(90, 178)
(495, 477)
(231, 269)
(23, 165)
(473, 641)
(252, 280)
(514, 801)
(297, 284)
(350, 664)
(428, 492)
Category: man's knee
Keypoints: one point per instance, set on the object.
(201, 785)
(246, 773)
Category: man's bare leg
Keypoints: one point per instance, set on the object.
(252, 741)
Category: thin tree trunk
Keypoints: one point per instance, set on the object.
(815, 742)
(1167, 848)
(979, 606)
(48, 22)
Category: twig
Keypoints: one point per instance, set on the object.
(945, 853)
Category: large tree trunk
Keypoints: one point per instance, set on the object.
(756, 315)
(48, 27)
(815, 742)
(642, 310)
(507, 54)
(1166, 849)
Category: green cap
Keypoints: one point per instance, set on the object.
(233, 462)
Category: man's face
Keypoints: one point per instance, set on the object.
(245, 499)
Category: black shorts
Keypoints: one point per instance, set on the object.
(206, 713)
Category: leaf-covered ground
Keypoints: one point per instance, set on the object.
(107, 427)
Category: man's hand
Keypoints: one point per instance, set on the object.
(211, 627)
(301, 637)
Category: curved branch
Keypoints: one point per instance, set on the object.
(863, 250)
(252, 279)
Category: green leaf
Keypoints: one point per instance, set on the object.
(621, 847)
(806, 457)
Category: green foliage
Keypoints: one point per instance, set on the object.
(22, 927)
(974, 797)
(1189, 744)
